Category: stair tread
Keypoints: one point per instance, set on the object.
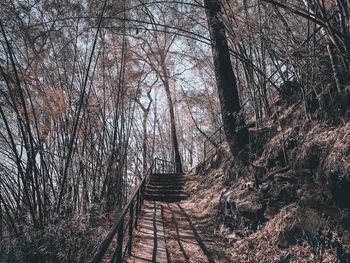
(148, 197)
(167, 176)
(167, 195)
(170, 187)
(166, 184)
(163, 193)
(165, 198)
(167, 181)
(161, 174)
(165, 187)
(179, 184)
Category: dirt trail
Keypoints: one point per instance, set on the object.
(185, 240)
(149, 242)
(176, 236)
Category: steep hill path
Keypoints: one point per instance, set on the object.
(173, 230)
(149, 243)
(167, 233)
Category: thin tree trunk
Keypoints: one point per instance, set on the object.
(1, 235)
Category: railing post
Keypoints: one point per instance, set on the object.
(137, 208)
(119, 250)
(131, 225)
(134, 208)
(142, 193)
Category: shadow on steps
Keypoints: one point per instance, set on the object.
(166, 188)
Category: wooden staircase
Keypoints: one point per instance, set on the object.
(165, 188)
(165, 184)
(161, 183)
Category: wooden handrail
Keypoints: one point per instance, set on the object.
(134, 209)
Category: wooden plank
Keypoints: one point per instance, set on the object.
(149, 242)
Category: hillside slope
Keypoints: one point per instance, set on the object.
(291, 204)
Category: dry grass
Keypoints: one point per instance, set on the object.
(208, 184)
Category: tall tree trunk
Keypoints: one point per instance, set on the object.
(173, 127)
(144, 143)
(234, 126)
(1, 235)
(165, 76)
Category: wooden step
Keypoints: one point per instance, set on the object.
(164, 187)
(163, 192)
(178, 180)
(165, 198)
(167, 175)
(170, 174)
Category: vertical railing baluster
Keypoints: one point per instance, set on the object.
(137, 208)
(131, 226)
(119, 251)
(134, 208)
(142, 193)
